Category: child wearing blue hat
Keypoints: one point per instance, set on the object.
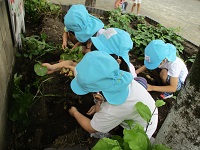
(99, 72)
(80, 25)
(159, 54)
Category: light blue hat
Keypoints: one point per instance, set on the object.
(156, 51)
(114, 41)
(82, 23)
(98, 71)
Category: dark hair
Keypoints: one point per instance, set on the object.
(93, 48)
(72, 32)
(123, 66)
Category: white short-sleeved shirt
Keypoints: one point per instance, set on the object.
(111, 116)
(176, 68)
(137, 1)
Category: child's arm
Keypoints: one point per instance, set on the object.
(141, 69)
(64, 44)
(58, 66)
(168, 88)
(76, 45)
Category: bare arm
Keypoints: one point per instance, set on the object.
(141, 69)
(168, 88)
(65, 36)
(76, 45)
(82, 120)
(58, 66)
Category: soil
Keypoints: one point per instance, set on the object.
(50, 123)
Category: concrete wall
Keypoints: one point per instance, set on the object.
(7, 52)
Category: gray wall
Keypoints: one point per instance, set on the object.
(7, 52)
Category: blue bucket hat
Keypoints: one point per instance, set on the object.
(114, 41)
(82, 23)
(156, 51)
(98, 71)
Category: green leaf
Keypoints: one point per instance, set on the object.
(107, 144)
(160, 103)
(144, 111)
(129, 122)
(40, 70)
(136, 138)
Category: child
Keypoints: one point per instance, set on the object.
(136, 3)
(117, 95)
(122, 4)
(173, 70)
(80, 25)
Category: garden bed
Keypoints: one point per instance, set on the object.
(48, 123)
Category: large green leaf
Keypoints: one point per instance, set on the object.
(144, 111)
(40, 70)
(107, 144)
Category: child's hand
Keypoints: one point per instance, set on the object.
(49, 67)
(92, 110)
(64, 45)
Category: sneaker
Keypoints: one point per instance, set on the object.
(166, 95)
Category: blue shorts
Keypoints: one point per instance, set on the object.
(179, 83)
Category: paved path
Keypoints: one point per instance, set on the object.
(183, 14)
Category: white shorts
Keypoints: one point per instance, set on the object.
(137, 1)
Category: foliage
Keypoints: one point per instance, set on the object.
(35, 9)
(143, 33)
(22, 100)
(34, 46)
(75, 54)
(135, 138)
(191, 59)
(118, 20)
(23, 97)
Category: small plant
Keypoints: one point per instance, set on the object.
(135, 138)
(118, 20)
(34, 46)
(21, 103)
(35, 9)
(191, 59)
(75, 54)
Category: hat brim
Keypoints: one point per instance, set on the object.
(116, 97)
(151, 66)
(93, 26)
(76, 88)
(118, 93)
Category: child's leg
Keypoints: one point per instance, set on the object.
(132, 9)
(125, 5)
(138, 8)
(163, 76)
